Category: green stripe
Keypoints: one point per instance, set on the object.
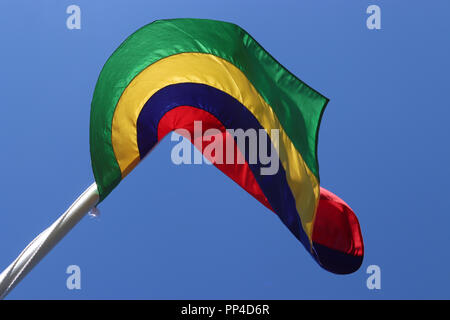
(297, 106)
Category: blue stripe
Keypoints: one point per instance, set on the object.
(233, 115)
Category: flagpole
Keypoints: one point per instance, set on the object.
(44, 242)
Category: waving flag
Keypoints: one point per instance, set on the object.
(170, 74)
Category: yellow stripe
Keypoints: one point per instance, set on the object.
(219, 73)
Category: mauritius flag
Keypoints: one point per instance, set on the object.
(171, 73)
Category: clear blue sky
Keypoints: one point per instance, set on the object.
(189, 232)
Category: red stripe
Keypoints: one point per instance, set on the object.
(336, 225)
(183, 117)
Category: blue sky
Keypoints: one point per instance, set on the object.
(189, 232)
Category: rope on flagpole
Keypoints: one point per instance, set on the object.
(44, 242)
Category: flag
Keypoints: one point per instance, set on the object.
(171, 73)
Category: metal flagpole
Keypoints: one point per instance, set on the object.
(44, 242)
